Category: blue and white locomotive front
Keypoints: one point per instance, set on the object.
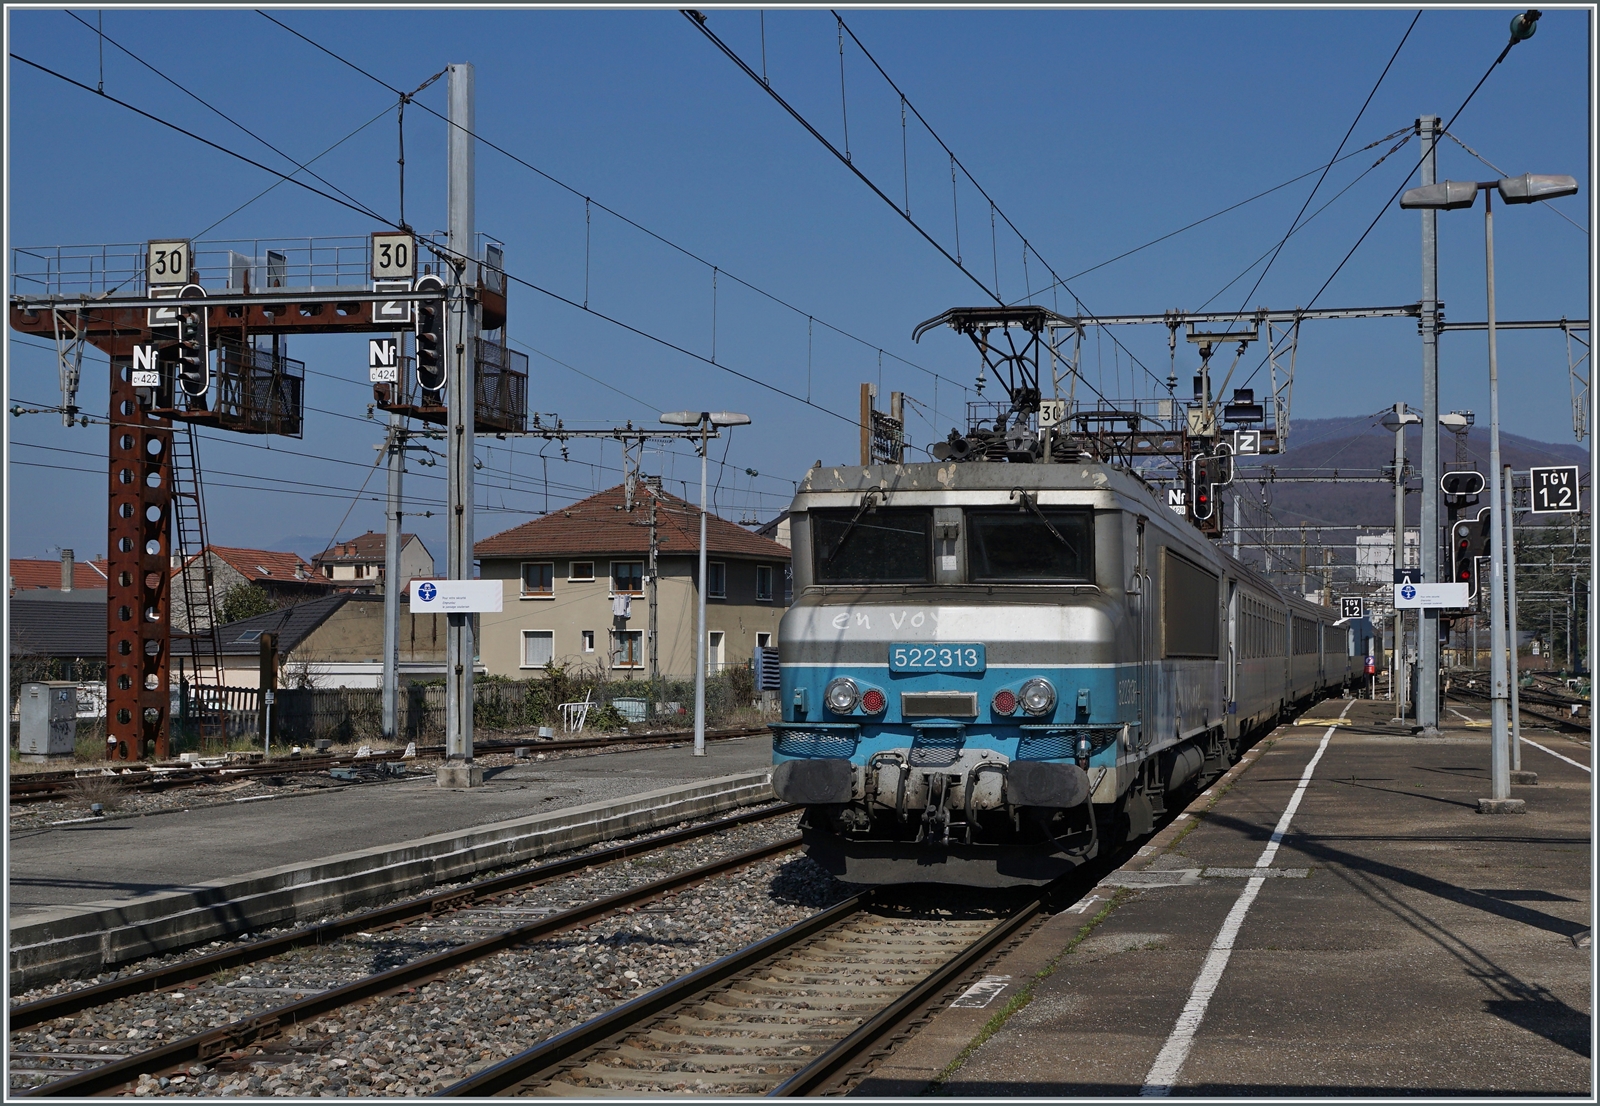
(959, 669)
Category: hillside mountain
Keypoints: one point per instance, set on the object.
(1360, 447)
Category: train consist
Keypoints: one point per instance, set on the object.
(992, 669)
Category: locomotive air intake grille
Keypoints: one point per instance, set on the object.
(815, 743)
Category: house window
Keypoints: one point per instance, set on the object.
(581, 570)
(588, 641)
(788, 585)
(763, 641)
(327, 570)
(717, 580)
(627, 649)
(714, 657)
(538, 648)
(538, 580)
(763, 583)
(627, 576)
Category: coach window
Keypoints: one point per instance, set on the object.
(878, 545)
(1188, 609)
(1047, 546)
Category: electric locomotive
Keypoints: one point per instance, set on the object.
(991, 670)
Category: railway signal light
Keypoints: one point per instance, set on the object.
(430, 324)
(1469, 542)
(1461, 489)
(1208, 472)
(194, 367)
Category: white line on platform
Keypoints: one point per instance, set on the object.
(1557, 755)
(1164, 1072)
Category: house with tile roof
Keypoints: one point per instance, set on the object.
(32, 574)
(285, 577)
(359, 561)
(331, 641)
(565, 574)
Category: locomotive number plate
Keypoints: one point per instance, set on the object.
(952, 657)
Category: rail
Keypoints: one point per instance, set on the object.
(246, 1031)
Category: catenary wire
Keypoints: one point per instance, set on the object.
(1295, 222)
(1217, 214)
(509, 276)
(1384, 210)
(299, 166)
(589, 200)
(1546, 203)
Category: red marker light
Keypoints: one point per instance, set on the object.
(1005, 702)
(873, 701)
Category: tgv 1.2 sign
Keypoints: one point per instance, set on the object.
(1555, 490)
(455, 596)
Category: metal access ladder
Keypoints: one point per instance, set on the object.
(198, 588)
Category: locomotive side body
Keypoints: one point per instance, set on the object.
(989, 669)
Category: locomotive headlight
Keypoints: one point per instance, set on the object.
(1037, 696)
(842, 695)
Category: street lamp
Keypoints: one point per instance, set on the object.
(706, 421)
(1451, 195)
(1397, 420)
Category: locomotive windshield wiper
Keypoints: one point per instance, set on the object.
(866, 501)
(1028, 502)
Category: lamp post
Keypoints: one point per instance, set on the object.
(1451, 195)
(1397, 421)
(707, 421)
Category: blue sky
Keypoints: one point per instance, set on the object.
(1095, 131)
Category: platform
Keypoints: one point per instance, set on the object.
(1395, 942)
(98, 894)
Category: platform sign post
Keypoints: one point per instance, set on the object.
(1351, 606)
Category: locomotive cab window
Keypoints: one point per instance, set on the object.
(879, 545)
(1048, 547)
(1188, 609)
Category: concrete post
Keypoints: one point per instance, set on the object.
(1517, 774)
(700, 644)
(391, 579)
(1399, 554)
(1500, 800)
(460, 354)
(1428, 131)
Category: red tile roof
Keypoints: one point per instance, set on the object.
(266, 564)
(600, 527)
(29, 573)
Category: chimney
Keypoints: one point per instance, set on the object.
(66, 570)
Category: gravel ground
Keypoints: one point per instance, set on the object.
(134, 804)
(727, 913)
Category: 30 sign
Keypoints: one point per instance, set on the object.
(168, 262)
(1555, 490)
(394, 256)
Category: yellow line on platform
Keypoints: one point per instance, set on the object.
(1323, 722)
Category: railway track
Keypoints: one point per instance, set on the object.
(44, 786)
(458, 916)
(798, 1013)
(1540, 708)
